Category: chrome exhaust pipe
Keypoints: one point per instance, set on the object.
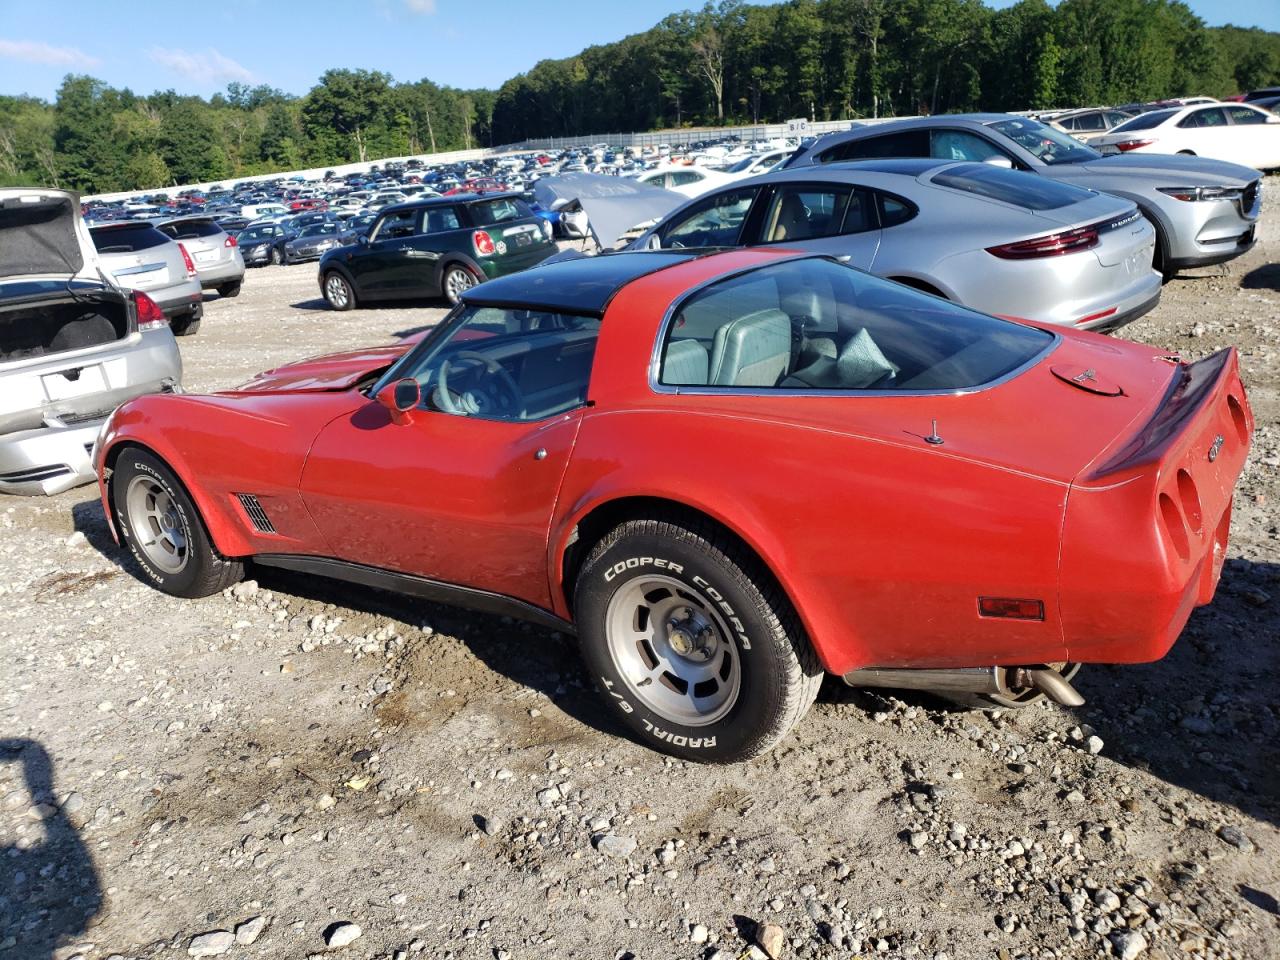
(993, 681)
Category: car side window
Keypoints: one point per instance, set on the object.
(894, 211)
(438, 221)
(714, 222)
(1210, 117)
(962, 145)
(509, 364)
(682, 178)
(908, 143)
(396, 226)
(807, 212)
(1241, 116)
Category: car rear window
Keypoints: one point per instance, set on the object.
(1145, 121)
(128, 239)
(499, 211)
(191, 229)
(1010, 186)
(814, 325)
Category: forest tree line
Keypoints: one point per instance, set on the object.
(728, 63)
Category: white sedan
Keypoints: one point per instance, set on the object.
(690, 181)
(1235, 132)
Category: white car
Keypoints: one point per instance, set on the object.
(1234, 132)
(751, 165)
(690, 181)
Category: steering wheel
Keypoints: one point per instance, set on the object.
(471, 403)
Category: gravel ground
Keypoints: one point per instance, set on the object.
(296, 767)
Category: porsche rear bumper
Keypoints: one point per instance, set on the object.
(1146, 527)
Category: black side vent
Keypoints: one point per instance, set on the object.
(261, 522)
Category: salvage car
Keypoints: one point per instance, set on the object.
(215, 253)
(72, 344)
(613, 445)
(1204, 211)
(263, 243)
(1000, 241)
(441, 246)
(1236, 132)
(317, 239)
(140, 257)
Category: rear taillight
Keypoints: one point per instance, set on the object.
(230, 241)
(1124, 146)
(150, 316)
(483, 243)
(186, 258)
(1054, 245)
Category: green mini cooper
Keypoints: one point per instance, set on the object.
(436, 247)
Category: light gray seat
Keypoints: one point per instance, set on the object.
(752, 351)
(686, 362)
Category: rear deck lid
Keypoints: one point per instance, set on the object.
(43, 234)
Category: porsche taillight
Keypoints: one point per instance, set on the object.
(150, 316)
(1054, 245)
(186, 258)
(483, 243)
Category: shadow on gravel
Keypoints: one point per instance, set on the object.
(316, 303)
(1266, 277)
(528, 655)
(1204, 717)
(321, 304)
(88, 518)
(49, 891)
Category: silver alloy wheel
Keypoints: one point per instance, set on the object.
(673, 650)
(335, 288)
(156, 524)
(457, 281)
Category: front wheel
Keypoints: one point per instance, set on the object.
(276, 256)
(456, 281)
(338, 292)
(692, 644)
(163, 530)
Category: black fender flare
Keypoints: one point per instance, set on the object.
(453, 257)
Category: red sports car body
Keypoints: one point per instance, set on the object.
(909, 492)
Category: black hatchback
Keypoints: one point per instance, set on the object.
(437, 247)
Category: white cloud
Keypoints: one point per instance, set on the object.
(32, 51)
(209, 65)
(421, 6)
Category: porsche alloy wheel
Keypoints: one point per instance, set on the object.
(457, 281)
(163, 530)
(338, 292)
(692, 643)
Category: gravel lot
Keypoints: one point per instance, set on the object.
(262, 769)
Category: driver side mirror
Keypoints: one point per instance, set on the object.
(363, 240)
(995, 160)
(400, 399)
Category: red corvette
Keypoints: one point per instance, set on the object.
(728, 473)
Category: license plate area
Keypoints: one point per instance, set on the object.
(74, 382)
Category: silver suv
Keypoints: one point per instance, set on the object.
(1204, 211)
(140, 257)
(215, 252)
(73, 345)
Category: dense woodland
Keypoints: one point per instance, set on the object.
(729, 63)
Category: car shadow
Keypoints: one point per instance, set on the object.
(88, 518)
(1266, 277)
(315, 303)
(49, 887)
(319, 303)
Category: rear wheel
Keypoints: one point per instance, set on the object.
(456, 281)
(229, 290)
(338, 292)
(163, 530)
(694, 647)
(276, 256)
(185, 326)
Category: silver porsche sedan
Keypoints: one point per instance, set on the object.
(998, 240)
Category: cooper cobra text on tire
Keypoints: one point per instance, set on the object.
(163, 530)
(692, 643)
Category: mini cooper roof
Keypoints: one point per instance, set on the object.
(583, 285)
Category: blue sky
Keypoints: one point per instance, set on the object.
(200, 47)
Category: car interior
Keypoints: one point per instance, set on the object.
(817, 325)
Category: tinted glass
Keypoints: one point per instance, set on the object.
(815, 325)
(962, 145)
(908, 143)
(1145, 121)
(128, 239)
(682, 178)
(500, 211)
(1010, 186)
(1244, 115)
(441, 220)
(714, 222)
(398, 225)
(191, 229)
(497, 363)
(894, 211)
(1046, 144)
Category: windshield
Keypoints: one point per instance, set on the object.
(1046, 144)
